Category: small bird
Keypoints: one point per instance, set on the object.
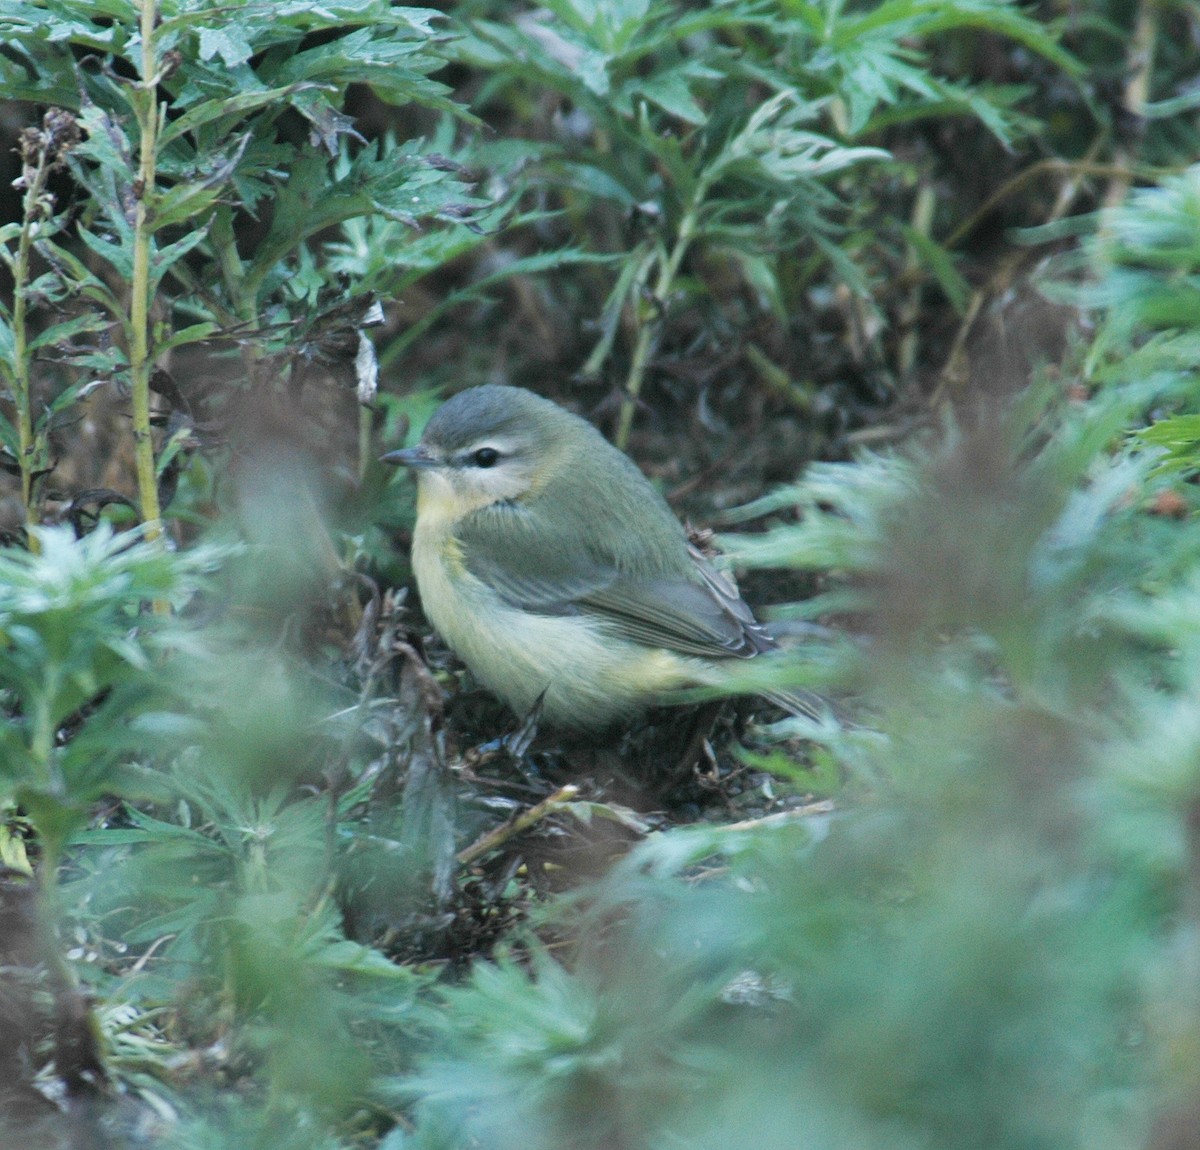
(554, 569)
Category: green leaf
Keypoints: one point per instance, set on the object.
(234, 108)
(77, 276)
(106, 144)
(62, 333)
(227, 42)
(635, 269)
(941, 263)
(10, 439)
(193, 333)
(7, 348)
(672, 91)
(586, 175)
(1177, 440)
(184, 202)
(162, 258)
(526, 266)
(117, 254)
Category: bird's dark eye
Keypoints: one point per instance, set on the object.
(486, 457)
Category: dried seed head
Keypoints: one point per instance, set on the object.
(171, 62)
(45, 148)
(60, 129)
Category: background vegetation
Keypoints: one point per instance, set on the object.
(899, 297)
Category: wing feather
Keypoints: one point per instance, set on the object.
(685, 605)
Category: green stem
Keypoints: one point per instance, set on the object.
(241, 289)
(366, 438)
(22, 389)
(668, 269)
(1139, 69)
(232, 269)
(41, 742)
(140, 359)
(910, 307)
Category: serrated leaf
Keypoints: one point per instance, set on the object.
(564, 62)
(227, 42)
(1179, 431)
(232, 107)
(62, 332)
(105, 142)
(183, 203)
(116, 254)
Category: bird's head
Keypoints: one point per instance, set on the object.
(491, 444)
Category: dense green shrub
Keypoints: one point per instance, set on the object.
(267, 908)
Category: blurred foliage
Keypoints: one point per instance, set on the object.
(267, 876)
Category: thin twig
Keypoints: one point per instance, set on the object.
(515, 826)
(821, 807)
(1003, 276)
(1074, 168)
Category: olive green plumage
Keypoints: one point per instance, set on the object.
(555, 569)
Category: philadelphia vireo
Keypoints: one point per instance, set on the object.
(554, 569)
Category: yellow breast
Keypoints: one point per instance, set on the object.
(586, 676)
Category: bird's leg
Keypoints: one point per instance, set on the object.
(518, 740)
(696, 748)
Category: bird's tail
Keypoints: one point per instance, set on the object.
(803, 703)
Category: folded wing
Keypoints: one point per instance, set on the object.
(680, 602)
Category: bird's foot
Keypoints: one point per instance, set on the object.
(517, 742)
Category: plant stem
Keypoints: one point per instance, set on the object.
(910, 307)
(140, 359)
(366, 441)
(501, 835)
(1139, 68)
(41, 739)
(77, 1057)
(31, 209)
(668, 269)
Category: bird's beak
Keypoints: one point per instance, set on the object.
(410, 457)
